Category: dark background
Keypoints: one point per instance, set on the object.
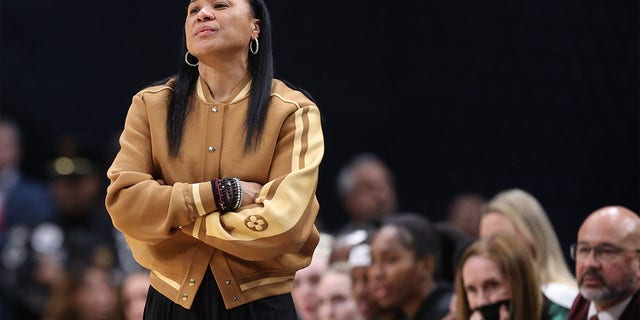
(454, 95)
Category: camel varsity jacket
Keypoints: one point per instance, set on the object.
(175, 230)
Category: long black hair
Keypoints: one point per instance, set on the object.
(261, 70)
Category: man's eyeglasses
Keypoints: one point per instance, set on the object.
(605, 252)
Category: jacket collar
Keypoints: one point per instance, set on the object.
(240, 92)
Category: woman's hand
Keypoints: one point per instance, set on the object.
(476, 315)
(452, 309)
(504, 312)
(250, 191)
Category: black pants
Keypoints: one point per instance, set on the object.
(208, 305)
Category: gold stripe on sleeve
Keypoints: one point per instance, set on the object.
(195, 188)
(297, 145)
(196, 227)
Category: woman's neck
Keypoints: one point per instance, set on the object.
(223, 76)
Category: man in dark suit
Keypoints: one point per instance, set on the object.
(607, 259)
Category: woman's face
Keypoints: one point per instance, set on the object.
(219, 28)
(483, 282)
(394, 272)
(335, 301)
(134, 295)
(495, 222)
(303, 292)
(95, 298)
(361, 290)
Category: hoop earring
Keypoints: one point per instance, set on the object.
(253, 50)
(186, 60)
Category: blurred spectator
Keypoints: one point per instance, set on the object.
(405, 253)
(464, 213)
(518, 212)
(306, 280)
(496, 278)
(24, 203)
(343, 242)
(77, 182)
(366, 187)
(458, 231)
(452, 244)
(335, 300)
(79, 229)
(359, 263)
(367, 193)
(608, 266)
(133, 294)
(85, 292)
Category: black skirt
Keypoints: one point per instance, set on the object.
(208, 305)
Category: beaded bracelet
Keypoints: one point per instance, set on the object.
(217, 195)
(227, 194)
(233, 193)
(239, 194)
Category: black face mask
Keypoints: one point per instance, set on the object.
(492, 311)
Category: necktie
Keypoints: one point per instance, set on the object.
(594, 317)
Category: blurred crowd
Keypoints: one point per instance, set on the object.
(494, 258)
(489, 258)
(60, 256)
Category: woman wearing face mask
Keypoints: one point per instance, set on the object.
(496, 279)
(214, 184)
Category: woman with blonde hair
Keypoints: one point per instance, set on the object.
(496, 279)
(517, 212)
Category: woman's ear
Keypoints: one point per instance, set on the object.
(255, 29)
